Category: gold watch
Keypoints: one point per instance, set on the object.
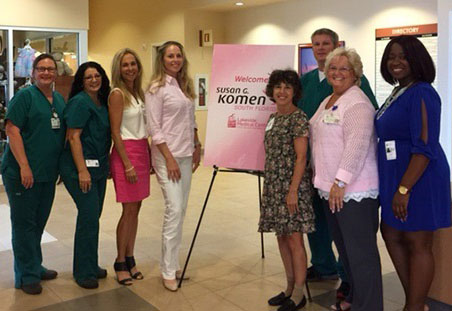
(403, 190)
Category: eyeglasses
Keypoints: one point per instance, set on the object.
(91, 78)
(44, 69)
(341, 70)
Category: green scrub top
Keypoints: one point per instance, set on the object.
(31, 112)
(82, 113)
(314, 92)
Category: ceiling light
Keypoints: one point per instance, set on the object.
(239, 3)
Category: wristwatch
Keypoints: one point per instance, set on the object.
(339, 183)
(403, 190)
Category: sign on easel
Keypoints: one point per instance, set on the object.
(238, 108)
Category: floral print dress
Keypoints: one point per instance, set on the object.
(279, 165)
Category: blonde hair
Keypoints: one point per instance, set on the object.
(353, 59)
(158, 78)
(118, 82)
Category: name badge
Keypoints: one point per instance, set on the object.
(92, 163)
(270, 124)
(55, 122)
(331, 118)
(390, 149)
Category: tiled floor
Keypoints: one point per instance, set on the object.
(226, 269)
(112, 300)
(5, 229)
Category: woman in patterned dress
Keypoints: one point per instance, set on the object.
(286, 208)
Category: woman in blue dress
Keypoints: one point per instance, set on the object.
(414, 174)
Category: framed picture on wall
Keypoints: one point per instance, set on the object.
(201, 89)
(206, 38)
(306, 59)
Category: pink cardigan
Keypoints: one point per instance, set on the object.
(344, 147)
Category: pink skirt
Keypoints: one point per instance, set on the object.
(138, 154)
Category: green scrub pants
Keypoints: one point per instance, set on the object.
(30, 209)
(86, 240)
(320, 243)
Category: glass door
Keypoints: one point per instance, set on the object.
(19, 46)
(27, 44)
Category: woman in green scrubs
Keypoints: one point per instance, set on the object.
(84, 165)
(30, 169)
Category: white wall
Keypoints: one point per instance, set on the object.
(355, 21)
(71, 14)
(201, 57)
(445, 72)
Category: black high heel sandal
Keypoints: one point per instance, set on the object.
(122, 266)
(130, 261)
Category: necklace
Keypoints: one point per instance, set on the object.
(396, 93)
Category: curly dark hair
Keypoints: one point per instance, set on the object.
(287, 76)
(77, 85)
(421, 63)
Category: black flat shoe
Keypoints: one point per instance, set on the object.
(130, 261)
(289, 305)
(88, 284)
(122, 266)
(32, 289)
(49, 275)
(101, 273)
(278, 299)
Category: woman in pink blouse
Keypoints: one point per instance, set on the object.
(346, 177)
(176, 151)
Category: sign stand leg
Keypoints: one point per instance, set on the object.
(215, 171)
(260, 206)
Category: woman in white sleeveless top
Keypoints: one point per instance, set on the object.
(130, 161)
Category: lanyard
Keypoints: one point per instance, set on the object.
(396, 93)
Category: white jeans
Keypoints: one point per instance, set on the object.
(176, 199)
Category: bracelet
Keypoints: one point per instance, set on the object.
(197, 144)
(129, 169)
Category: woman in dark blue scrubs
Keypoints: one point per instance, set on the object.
(84, 165)
(30, 169)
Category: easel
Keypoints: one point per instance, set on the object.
(215, 171)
